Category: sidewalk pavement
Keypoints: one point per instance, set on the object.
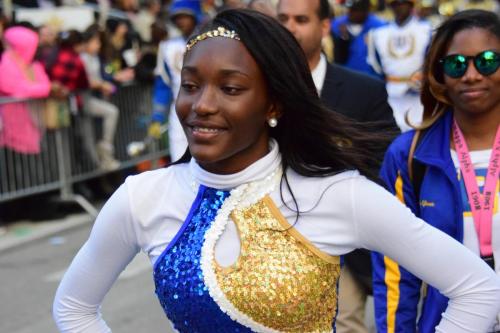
(23, 232)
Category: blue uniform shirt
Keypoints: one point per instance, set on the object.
(358, 50)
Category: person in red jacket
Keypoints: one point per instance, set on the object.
(68, 70)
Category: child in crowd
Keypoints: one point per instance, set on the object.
(96, 103)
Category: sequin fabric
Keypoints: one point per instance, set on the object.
(178, 277)
(277, 280)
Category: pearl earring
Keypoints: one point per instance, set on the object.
(273, 122)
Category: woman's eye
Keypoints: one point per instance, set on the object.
(188, 86)
(231, 90)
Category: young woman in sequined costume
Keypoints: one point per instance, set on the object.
(246, 231)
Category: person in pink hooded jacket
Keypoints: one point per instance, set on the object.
(21, 77)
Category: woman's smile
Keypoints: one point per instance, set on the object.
(205, 132)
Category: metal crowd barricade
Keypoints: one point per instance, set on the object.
(47, 145)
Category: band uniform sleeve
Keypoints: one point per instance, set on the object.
(373, 58)
(111, 246)
(396, 291)
(385, 225)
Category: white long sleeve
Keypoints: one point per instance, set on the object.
(338, 214)
(386, 226)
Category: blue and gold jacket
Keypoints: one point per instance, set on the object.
(397, 291)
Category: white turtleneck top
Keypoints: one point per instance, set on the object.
(337, 214)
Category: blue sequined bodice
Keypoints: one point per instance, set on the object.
(178, 276)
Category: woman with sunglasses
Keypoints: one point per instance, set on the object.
(447, 170)
(245, 232)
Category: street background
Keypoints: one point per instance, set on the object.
(33, 259)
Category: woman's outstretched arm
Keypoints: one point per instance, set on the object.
(111, 246)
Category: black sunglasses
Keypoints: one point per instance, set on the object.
(486, 63)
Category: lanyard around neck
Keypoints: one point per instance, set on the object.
(481, 204)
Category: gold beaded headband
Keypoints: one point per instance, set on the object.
(219, 32)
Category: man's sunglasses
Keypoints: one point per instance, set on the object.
(486, 63)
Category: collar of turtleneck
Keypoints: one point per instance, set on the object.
(258, 170)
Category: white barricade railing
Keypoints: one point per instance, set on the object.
(47, 145)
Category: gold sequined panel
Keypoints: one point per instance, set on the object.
(280, 279)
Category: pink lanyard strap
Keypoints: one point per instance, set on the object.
(481, 204)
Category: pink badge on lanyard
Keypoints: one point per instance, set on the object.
(481, 204)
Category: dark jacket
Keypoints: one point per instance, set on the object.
(364, 99)
(356, 95)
